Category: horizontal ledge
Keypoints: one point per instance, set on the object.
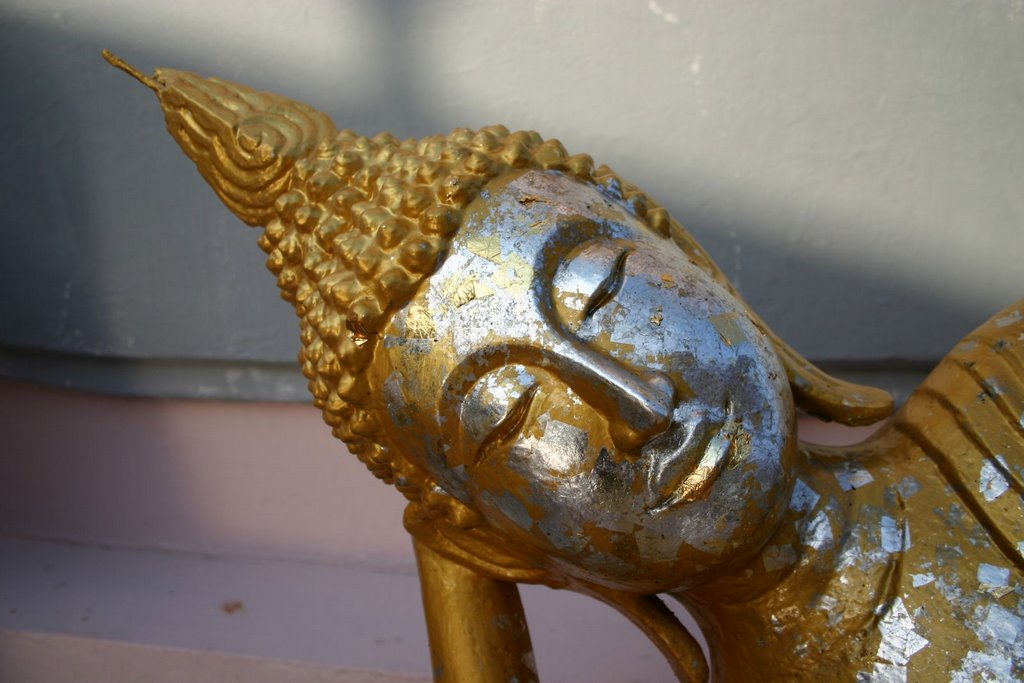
(222, 380)
(243, 380)
(301, 615)
(157, 609)
(42, 657)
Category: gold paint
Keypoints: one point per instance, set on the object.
(481, 290)
(462, 292)
(124, 66)
(695, 486)
(488, 247)
(352, 227)
(727, 328)
(515, 276)
(419, 323)
(477, 630)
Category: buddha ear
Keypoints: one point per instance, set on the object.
(473, 544)
(827, 397)
(814, 391)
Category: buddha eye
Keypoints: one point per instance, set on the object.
(510, 425)
(496, 409)
(588, 279)
(608, 287)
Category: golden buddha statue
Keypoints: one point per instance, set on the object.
(569, 392)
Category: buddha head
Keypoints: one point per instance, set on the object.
(567, 373)
(556, 375)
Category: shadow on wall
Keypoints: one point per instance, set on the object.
(115, 247)
(812, 300)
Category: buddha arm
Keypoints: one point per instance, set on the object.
(476, 626)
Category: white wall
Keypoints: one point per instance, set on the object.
(854, 166)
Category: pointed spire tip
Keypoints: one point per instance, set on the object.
(124, 66)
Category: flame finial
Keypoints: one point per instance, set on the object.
(124, 66)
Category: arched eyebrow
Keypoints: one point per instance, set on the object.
(609, 286)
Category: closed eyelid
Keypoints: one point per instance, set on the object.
(493, 409)
(510, 424)
(608, 287)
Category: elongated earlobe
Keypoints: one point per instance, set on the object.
(814, 391)
(829, 398)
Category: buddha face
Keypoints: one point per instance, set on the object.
(571, 376)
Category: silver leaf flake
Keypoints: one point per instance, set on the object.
(990, 574)
(907, 487)
(1008, 319)
(827, 603)
(992, 482)
(818, 533)
(885, 673)
(804, 497)
(1003, 624)
(983, 666)
(899, 640)
(922, 579)
(853, 477)
(895, 536)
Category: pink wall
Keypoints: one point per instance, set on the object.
(241, 479)
(248, 501)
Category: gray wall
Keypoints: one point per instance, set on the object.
(854, 166)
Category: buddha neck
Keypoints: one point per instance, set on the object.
(816, 585)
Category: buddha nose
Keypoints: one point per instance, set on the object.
(646, 410)
(637, 403)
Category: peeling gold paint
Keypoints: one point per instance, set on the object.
(730, 332)
(488, 247)
(419, 323)
(465, 291)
